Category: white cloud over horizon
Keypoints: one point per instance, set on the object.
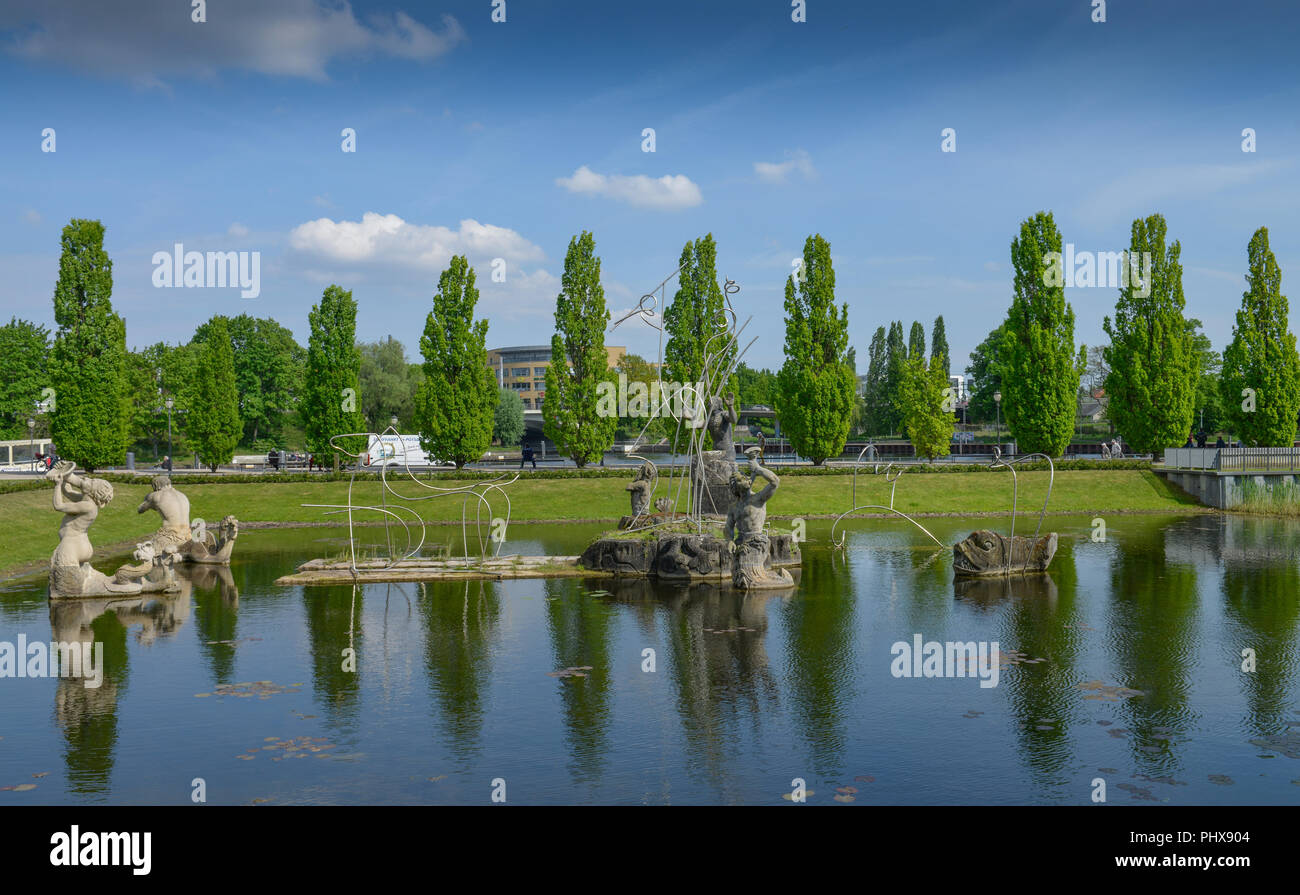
(777, 172)
(670, 192)
(388, 239)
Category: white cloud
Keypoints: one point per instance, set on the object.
(776, 172)
(387, 239)
(148, 38)
(237, 230)
(670, 192)
(32, 216)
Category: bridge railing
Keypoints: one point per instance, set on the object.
(1260, 459)
(1241, 459)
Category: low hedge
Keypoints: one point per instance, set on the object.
(597, 472)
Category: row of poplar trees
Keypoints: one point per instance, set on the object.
(1152, 379)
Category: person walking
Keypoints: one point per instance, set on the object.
(762, 444)
(527, 455)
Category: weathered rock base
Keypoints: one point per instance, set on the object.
(985, 553)
(673, 556)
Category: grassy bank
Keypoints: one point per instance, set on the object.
(30, 530)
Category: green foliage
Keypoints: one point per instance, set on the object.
(939, 347)
(754, 386)
(508, 421)
(1262, 356)
(695, 321)
(916, 341)
(895, 371)
(1153, 378)
(388, 384)
(876, 406)
(1040, 375)
(573, 414)
(986, 372)
(88, 361)
(928, 423)
(456, 403)
(816, 388)
(269, 371)
(329, 402)
(213, 425)
(25, 349)
(1208, 403)
(651, 430)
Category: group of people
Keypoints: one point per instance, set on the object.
(1198, 440)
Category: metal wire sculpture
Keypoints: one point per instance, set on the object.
(893, 486)
(691, 399)
(469, 491)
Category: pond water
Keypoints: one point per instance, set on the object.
(243, 683)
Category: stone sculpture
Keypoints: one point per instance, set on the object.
(722, 419)
(986, 552)
(153, 572)
(176, 535)
(80, 499)
(752, 567)
(641, 487)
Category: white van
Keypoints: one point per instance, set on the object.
(397, 450)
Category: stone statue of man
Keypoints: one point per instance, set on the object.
(722, 417)
(174, 507)
(641, 487)
(751, 564)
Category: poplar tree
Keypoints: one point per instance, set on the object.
(1040, 374)
(895, 370)
(455, 405)
(574, 416)
(874, 398)
(1260, 380)
(697, 325)
(1152, 381)
(927, 422)
(25, 348)
(88, 366)
(330, 402)
(916, 341)
(939, 347)
(213, 425)
(695, 322)
(816, 387)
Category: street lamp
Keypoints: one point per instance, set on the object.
(169, 403)
(997, 402)
(31, 439)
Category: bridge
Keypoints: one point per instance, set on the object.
(1227, 477)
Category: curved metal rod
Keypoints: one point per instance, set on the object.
(875, 506)
(1009, 464)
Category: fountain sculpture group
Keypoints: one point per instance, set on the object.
(81, 497)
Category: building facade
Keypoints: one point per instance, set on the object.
(522, 369)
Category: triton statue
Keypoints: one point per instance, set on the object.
(751, 567)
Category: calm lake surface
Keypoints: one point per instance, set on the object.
(453, 684)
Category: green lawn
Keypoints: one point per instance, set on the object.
(31, 525)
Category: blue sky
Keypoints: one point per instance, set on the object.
(502, 140)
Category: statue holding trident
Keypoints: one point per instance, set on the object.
(751, 566)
